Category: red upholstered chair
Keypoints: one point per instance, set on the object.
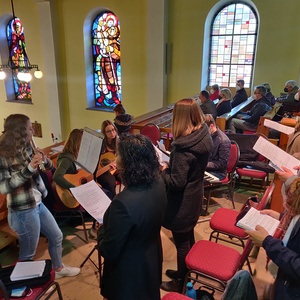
(223, 221)
(151, 131)
(175, 296)
(213, 264)
(229, 181)
(37, 292)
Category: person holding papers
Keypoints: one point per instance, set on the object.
(129, 239)
(108, 180)
(183, 177)
(284, 248)
(21, 183)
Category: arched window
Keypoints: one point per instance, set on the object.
(106, 60)
(18, 57)
(233, 39)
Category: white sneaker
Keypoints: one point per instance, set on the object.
(67, 272)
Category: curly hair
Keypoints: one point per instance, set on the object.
(72, 143)
(140, 164)
(14, 135)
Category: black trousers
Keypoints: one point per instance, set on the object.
(183, 242)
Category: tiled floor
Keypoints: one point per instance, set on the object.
(86, 284)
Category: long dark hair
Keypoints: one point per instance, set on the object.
(72, 143)
(14, 135)
(139, 160)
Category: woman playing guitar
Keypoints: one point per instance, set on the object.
(108, 179)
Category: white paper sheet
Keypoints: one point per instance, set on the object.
(276, 155)
(92, 199)
(162, 157)
(27, 270)
(279, 127)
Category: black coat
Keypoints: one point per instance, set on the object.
(288, 260)
(184, 179)
(131, 246)
(239, 97)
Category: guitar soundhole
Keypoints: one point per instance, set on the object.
(83, 181)
(104, 162)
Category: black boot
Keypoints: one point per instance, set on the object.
(172, 274)
(175, 285)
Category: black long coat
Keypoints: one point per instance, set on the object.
(184, 179)
(131, 246)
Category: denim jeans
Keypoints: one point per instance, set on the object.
(28, 224)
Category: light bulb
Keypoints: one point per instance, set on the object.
(38, 74)
(20, 76)
(2, 75)
(27, 77)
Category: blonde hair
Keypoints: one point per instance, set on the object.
(187, 117)
(292, 203)
(226, 92)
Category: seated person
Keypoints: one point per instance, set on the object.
(66, 161)
(224, 105)
(288, 102)
(241, 94)
(214, 92)
(219, 156)
(207, 106)
(122, 120)
(249, 120)
(108, 179)
(269, 95)
(291, 89)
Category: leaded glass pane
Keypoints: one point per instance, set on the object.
(106, 60)
(233, 38)
(18, 57)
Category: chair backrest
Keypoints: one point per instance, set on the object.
(233, 157)
(246, 251)
(245, 143)
(266, 197)
(151, 131)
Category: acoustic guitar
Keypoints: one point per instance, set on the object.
(82, 177)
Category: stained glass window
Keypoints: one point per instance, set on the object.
(106, 60)
(18, 57)
(233, 42)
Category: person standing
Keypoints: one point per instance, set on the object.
(184, 182)
(129, 239)
(122, 120)
(25, 190)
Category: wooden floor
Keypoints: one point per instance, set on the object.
(86, 284)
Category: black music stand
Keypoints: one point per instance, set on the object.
(99, 267)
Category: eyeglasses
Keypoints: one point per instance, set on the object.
(110, 131)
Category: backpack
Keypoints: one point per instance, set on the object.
(202, 294)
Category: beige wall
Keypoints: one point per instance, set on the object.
(277, 57)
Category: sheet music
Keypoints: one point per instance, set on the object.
(89, 151)
(162, 147)
(162, 157)
(276, 155)
(279, 127)
(92, 199)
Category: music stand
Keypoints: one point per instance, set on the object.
(99, 267)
